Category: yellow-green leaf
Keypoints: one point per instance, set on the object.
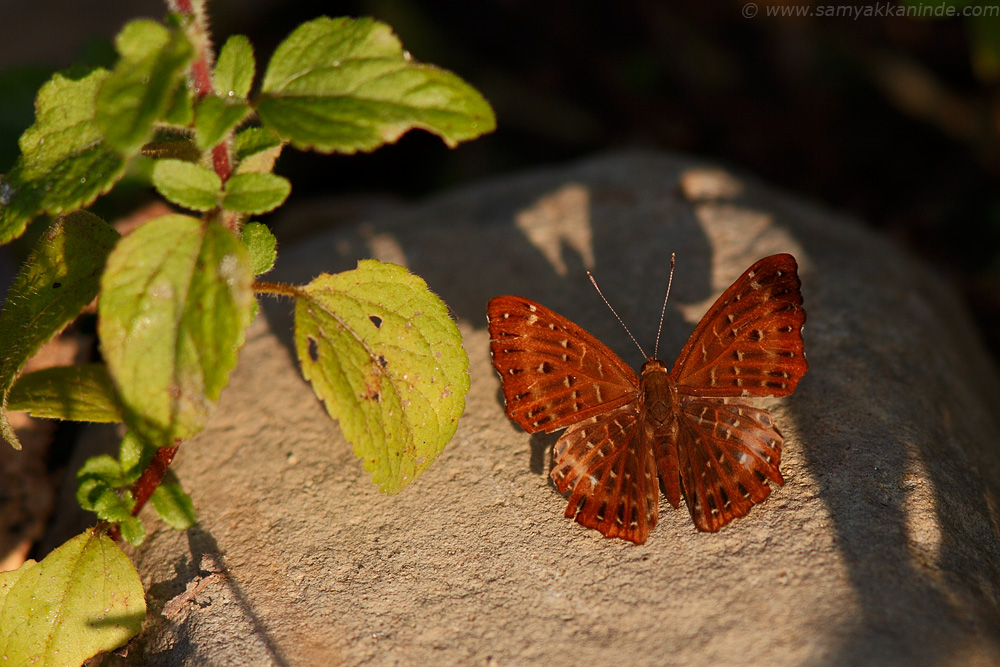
(60, 277)
(83, 598)
(174, 307)
(346, 85)
(82, 393)
(381, 351)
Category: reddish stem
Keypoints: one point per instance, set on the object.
(201, 78)
(151, 477)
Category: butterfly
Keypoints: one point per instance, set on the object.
(690, 426)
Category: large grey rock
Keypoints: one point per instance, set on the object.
(883, 547)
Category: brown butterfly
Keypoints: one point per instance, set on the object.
(691, 425)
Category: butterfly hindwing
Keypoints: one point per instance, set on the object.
(609, 470)
(554, 373)
(750, 341)
(728, 452)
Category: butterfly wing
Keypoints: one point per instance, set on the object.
(728, 451)
(608, 467)
(748, 344)
(750, 341)
(553, 372)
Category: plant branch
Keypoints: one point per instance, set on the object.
(152, 476)
(276, 289)
(198, 34)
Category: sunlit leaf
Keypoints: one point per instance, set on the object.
(255, 193)
(83, 598)
(214, 118)
(346, 85)
(82, 393)
(65, 163)
(261, 245)
(381, 351)
(189, 185)
(175, 303)
(173, 504)
(234, 69)
(143, 85)
(60, 277)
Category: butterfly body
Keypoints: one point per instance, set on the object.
(691, 428)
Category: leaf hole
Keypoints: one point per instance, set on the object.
(313, 349)
(376, 320)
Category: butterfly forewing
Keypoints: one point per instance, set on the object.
(610, 473)
(728, 452)
(554, 373)
(750, 341)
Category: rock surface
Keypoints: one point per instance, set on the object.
(882, 547)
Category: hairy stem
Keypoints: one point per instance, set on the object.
(200, 36)
(275, 289)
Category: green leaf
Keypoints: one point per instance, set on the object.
(104, 469)
(255, 193)
(173, 504)
(214, 118)
(83, 598)
(175, 303)
(235, 68)
(60, 277)
(132, 530)
(345, 85)
(388, 362)
(261, 245)
(186, 184)
(98, 481)
(257, 149)
(82, 393)
(180, 109)
(134, 456)
(64, 163)
(143, 85)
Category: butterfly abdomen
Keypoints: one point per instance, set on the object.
(659, 418)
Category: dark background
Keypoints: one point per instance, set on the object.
(893, 120)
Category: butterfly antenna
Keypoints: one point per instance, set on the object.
(620, 321)
(670, 281)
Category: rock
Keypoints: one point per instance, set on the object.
(882, 547)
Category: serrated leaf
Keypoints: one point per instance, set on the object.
(83, 598)
(186, 184)
(173, 504)
(60, 277)
(134, 456)
(255, 193)
(388, 363)
(143, 84)
(215, 118)
(82, 393)
(64, 162)
(102, 468)
(261, 245)
(234, 68)
(175, 303)
(346, 85)
(257, 149)
(132, 530)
